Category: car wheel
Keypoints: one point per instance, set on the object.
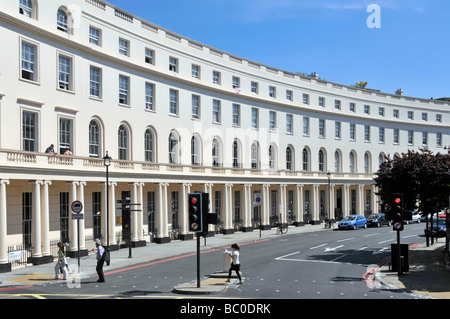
(355, 227)
(365, 226)
(378, 224)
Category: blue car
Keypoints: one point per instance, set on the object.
(353, 222)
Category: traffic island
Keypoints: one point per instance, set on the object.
(207, 286)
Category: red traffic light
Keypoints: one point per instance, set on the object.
(397, 200)
(194, 200)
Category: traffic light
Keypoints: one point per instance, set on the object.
(195, 203)
(397, 211)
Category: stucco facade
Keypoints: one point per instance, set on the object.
(177, 116)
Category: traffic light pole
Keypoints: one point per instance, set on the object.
(198, 260)
(399, 258)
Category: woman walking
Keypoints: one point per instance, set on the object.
(235, 264)
(61, 265)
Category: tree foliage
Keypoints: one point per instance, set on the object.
(422, 177)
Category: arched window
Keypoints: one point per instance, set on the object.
(149, 146)
(94, 139)
(321, 161)
(337, 162)
(62, 21)
(173, 148)
(367, 167)
(28, 8)
(216, 153)
(195, 151)
(289, 159)
(255, 155)
(272, 158)
(352, 162)
(305, 159)
(236, 154)
(381, 158)
(123, 143)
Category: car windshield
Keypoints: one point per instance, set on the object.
(349, 218)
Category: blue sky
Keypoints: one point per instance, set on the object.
(410, 49)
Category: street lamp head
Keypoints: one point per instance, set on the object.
(107, 160)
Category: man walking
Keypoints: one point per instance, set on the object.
(100, 261)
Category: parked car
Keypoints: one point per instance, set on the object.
(415, 218)
(353, 222)
(439, 225)
(377, 220)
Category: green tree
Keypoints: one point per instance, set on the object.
(422, 177)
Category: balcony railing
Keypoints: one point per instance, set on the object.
(12, 158)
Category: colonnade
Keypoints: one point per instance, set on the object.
(275, 204)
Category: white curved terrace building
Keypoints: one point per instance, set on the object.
(176, 116)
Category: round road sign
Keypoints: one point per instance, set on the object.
(77, 206)
(397, 225)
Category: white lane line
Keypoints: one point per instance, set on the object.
(371, 235)
(318, 246)
(345, 239)
(278, 258)
(386, 241)
(410, 236)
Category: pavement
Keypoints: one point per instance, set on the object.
(428, 276)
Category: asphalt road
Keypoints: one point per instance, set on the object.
(331, 264)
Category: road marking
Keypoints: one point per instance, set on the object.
(333, 249)
(371, 235)
(386, 241)
(278, 258)
(410, 236)
(178, 257)
(318, 246)
(345, 239)
(380, 251)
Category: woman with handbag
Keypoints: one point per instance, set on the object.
(61, 264)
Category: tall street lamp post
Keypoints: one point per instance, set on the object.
(329, 198)
(107, 163)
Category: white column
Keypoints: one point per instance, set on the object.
(300, 206)
(207, 188)
(140, 214)
(248, 205)
(228, 209)
(361, 196)
(36, 221)
(73, 236)
(282, 211)
(45, 219)
(315, 203)
(3, 222)
(133, 215)
(332, 201)
(346, 200)
(374, 200)
(81, 221)
(266, 205)
(161, 218)
(112, 213)
(183, 207)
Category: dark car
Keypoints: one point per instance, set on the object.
(377, 220)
